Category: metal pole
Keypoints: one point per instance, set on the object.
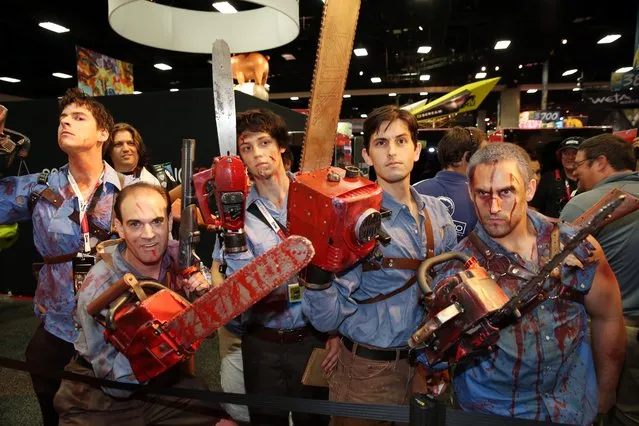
(544, 83)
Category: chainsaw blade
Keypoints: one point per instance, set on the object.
(334, 52)
(241, 290)
(224, 97)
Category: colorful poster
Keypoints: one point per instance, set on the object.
(101, 75)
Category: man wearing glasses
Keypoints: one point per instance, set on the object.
(557, 186)
(605, 162)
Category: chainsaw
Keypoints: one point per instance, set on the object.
(467, 310)
(156, 328)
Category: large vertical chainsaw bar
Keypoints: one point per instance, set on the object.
(334, 53)
(241, 290)
(224, 97)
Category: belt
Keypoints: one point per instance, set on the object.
(275, 335)
(375, 354)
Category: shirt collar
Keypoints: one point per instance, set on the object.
(110, 175)
(254, 195)
(389, 202)
(122, 266)
(616, 177)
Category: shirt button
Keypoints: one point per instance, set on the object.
(582, 285)
(416, 231)
(547, 337)
(541, 307)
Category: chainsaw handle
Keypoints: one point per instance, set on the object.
(109, 295)
(423, 277)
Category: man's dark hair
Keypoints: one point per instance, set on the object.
(388, 113)
(263, 120)
(617, 151)
(107, 149)
(130, 190)
(102, 116)
(456, 142)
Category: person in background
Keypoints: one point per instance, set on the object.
(535, 167)
(558, 186)
(450, 185)
(605, 162)
(126, 151)
(287, 158)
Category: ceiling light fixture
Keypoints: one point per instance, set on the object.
(609, 38)
(564, 41)
(423, 93)
(431, 149)
(361, 73)
(576, 89)
(486, 119)
(569, 72)
(51, 26)
(61, 75)
(424, 77)
(295, 98)
(136, 92)
(497, 68)
(421, 28)
(424, 49)
(174, 90)
(360, 51)
(224, 7)
(346, 95)
(480, 75)
(520, 66)
(531, 91)
(502, 44)
(163, 67)
(624, 69)
(376, 80)
(392, 94)
(10, 79)
(364, 115)
(288, 56)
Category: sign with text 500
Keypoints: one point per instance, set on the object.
(626, 80)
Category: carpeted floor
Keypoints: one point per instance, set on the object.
(18, 404)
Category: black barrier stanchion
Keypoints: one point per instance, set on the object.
(426, 411)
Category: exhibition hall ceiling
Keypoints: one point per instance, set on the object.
(459, 36)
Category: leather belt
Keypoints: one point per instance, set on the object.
(288, 335)
(375, 354)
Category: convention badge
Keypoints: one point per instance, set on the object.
(294, 293)
(82, 263)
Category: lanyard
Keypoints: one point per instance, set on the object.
(566, 184)
(83, 206)
(269, 219)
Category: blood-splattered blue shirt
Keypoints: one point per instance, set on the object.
(55, 234)
(542, 367)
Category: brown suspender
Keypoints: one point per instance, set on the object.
(401, 263)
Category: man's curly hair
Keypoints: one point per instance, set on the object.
(102, 116)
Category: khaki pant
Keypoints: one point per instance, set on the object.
(80, 404)
(361, 380)
(626, 409)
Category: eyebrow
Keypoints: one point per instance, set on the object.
(132, 221)
(511, 187)
(64, 114)
(394, 137)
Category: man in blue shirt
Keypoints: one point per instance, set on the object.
(277, 340)
(71, 213)
(450, 185)
(376, 307)
(144, 223)
(543, 366)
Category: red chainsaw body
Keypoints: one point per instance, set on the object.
(479, 296)
(226, 184)
(139, 334)
(337, 214)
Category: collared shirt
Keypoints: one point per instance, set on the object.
(144, 176)
(107, 362)
(619, 239)
(389, 323)
(542, 367)
(274, 311)
(55, 234)
(451, 188)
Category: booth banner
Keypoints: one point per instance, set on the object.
(625, 80)
(101, 75)
(609, 99)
